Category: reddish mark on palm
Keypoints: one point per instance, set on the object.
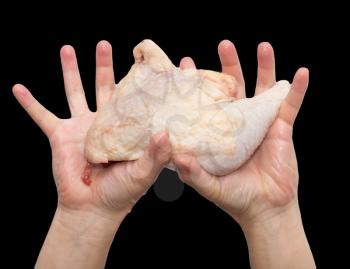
(86, 176)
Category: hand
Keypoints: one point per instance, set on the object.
(96, 196)
(269, 178)
(115, 187)
(262, 194)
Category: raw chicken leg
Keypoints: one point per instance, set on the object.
(195, 106)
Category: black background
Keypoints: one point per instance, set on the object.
(190, 230)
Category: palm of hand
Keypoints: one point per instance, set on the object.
(110, 182)
(269, 178)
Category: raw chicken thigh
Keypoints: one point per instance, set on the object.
(196, 107)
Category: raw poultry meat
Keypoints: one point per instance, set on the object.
(197, 107)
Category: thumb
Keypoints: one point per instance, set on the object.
(144, 171)
(194, 175)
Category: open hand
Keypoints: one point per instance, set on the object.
(269, 179)
(103, 188)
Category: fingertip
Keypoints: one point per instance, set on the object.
(264, 46)
(187, 63)
(67, 51)
(18, 88)
(161, 139)
(103, 47)
(183, 163)
(301, 79)
(303, 72)
(190, 170)
(226, 50)
(20, 91)
(265, 51)
(160, 148)
(22, 95)
(229, 59)
(225, 45)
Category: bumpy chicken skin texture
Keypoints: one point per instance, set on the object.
(197, 107)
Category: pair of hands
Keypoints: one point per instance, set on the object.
(266, 183)
(264, 188)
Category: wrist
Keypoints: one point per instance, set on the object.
(271, 220)
(87, 224)
(276, 239)
(78, 239)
